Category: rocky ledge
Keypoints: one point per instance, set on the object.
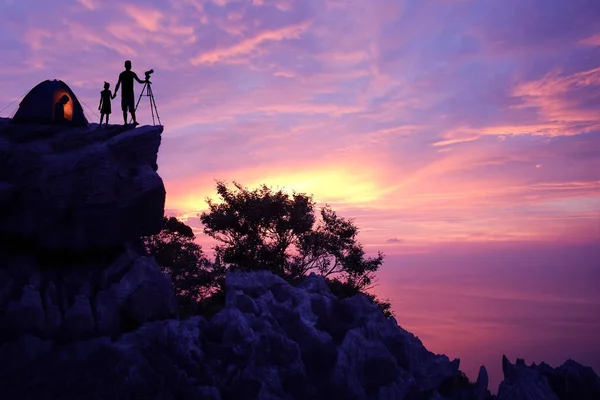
(78, 188)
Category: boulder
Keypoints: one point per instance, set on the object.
(145, 293)
(523, 383)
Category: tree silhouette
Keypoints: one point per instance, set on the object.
(277, 231)
(263, 229)
(194, 276)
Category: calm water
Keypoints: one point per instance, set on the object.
(540, 304)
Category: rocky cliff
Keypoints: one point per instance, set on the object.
(86, 314)
(77, 189)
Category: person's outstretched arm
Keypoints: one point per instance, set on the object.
(138, 79)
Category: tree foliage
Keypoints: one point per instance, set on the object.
(277, 231)
(263, 229)
(194, 276)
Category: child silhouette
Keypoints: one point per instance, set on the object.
(104, 107)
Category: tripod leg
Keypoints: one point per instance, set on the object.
(145, 87)
(151, 96)
(154, 108)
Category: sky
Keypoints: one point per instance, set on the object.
(461, 127)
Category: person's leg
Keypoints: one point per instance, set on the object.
(124, 108)
(101, 118)
(132, 109)
(107, 115)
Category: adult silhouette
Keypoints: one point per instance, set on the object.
(127, 96)
(59, 109)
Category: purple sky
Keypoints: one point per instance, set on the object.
(433, 123)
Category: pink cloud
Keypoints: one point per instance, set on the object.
(89, 4)
(146, 18)
(564, 98)
(593, 41)
(36, 37)
(247, 45)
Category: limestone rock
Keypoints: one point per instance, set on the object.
(79, 188)
(569, 381)
(97, 295)
(523, 383)
(53, 313)
(106, 310)
(145, 293)
(6, 285)
(481, 385)
(271, 341)
(79, 321)
(26, 315)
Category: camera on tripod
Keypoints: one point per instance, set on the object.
(147, 92)
(148, 73)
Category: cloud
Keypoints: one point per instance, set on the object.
(394, 240)
(569, 101)
(593, 41)
(89, 4)
(247, 45)
(91, 38)
(557, 26)
(36, 38)
(146, 18)
(460, 135)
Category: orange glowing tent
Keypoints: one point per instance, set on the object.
(42, 105)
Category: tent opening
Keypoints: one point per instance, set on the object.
(67, 106)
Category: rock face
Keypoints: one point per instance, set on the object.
(74, 203)
(272, 341)
(542, 382)
(77, 188)
(68, 298)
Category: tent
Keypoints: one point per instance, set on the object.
(50, 102)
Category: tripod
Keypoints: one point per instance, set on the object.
(148, 89)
